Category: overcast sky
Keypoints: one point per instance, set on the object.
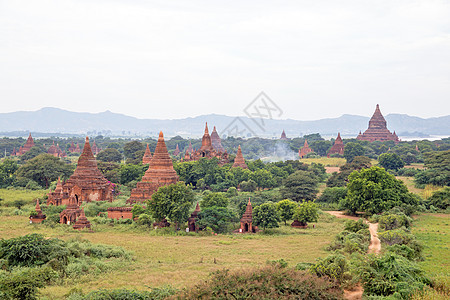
(175, 59)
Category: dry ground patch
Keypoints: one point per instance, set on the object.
(182, 260)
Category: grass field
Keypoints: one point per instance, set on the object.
(181, 261)
(433, 230)
(326, 161)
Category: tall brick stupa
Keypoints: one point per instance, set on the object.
(377, 130)
(160, 172)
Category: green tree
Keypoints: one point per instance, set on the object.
(216, 217)
(173, 202)
(307, 212)
(109, 155)
(44, 169)
(7, 169)
(33, 152)
(390, 161)
(351, 150)
(266, 215)
(133, 149)
(286, 209)
(301, 185)
(131, 172)
(374, 190)
(321, 147)
(214, 199)
(437, 171)
(340, 179)
(333, 195)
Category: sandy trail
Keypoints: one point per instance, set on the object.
(374, 247)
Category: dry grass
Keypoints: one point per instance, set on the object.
(181, 260)
(326, 161)
(409, 182)
(415, 166)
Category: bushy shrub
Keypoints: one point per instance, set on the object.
(264, 283)
(119, 294)
(409, 172)
(401, 237)
(355, 226)
(23, 283)
(32, 250)
(351, 242)
(440, 199)
(334, 266)
(333, 195)
(394, 221)
(392, 274)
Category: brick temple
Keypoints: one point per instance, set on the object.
(377, 130)
(86, 184)
(216, 141)
(206, 150)
(338, 147)
(239, 160)
(147, 156)
(304, 150)
(56, 151)
(283, 136)
(25, 148)
(160, 172)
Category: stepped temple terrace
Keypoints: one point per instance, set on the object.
(377, 130)
(86, 184)
(160, 172)
(338, 147)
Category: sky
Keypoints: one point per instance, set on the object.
(176, 59)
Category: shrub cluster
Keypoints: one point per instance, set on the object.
(270, 282)
(31, 261)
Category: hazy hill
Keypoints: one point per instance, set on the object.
(54, 120)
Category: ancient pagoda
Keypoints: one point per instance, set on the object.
(193, 219)
(190, 149)
(77, 149)
(247, 219)
(87, 183)
(177, 151)
(160, 172)
(338, 147)
(207, 150)
(72, 147)
(71, 213)
(304, 150)
(82, 222)
(95, 149)
(377, 130)
(216, 141)
(147, 156)
(56, 197)
(239, 160)
(28, 145)
(283, 136)
(56, 151)
(39, 216)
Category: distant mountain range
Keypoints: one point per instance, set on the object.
(60, 122)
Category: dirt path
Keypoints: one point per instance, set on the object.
(375, 244)
(374, 247)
